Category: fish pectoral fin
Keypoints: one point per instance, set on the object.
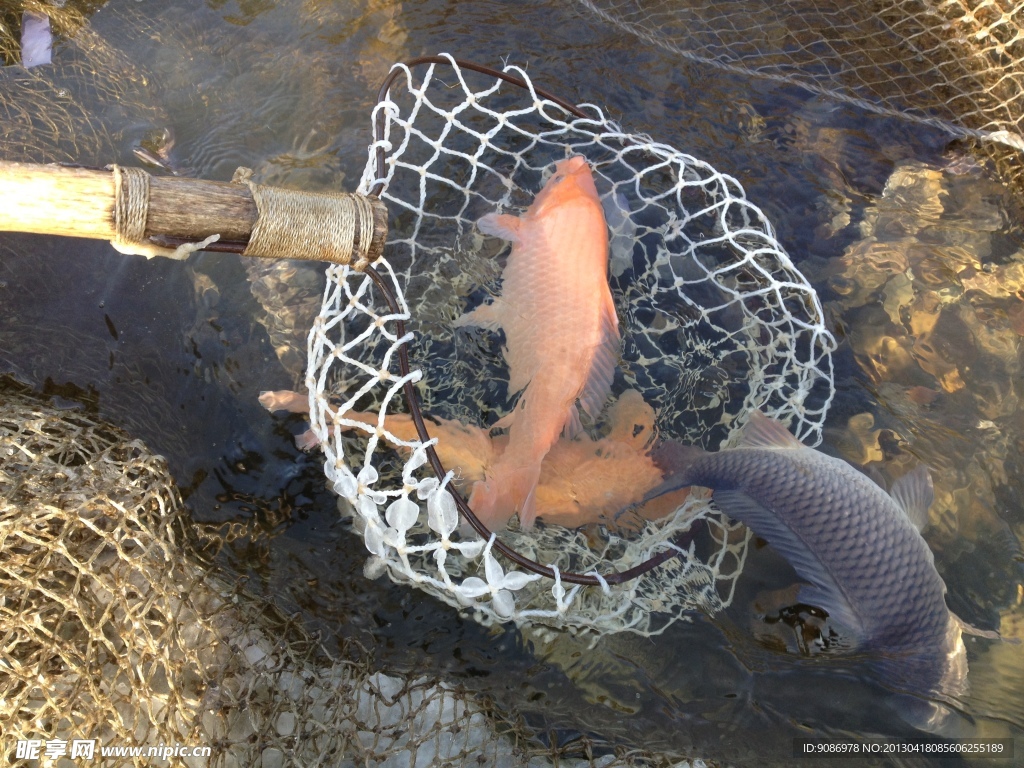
(528, 513)
(506, 421)
(486, 316)
(913, 493)
(503, 225)
(872, 474)
(822, 590)
(990, 634)
(765, 432)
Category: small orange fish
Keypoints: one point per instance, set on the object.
(581, 481)
(588, 481)
(470, 450)
(561, 332)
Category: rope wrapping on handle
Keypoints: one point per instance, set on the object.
(131, 211)
(131, 205)
(323, 226)
(338, 227)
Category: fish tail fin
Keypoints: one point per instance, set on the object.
(487, 316)
(484, 501)
(516, 491)
(285, 400)
(307, 441)
(503, 493)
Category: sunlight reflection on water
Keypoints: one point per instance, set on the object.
(910, 244)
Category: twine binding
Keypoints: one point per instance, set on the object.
(131, 211)
(322, 226)
(131, 206)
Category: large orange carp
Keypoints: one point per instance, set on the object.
(561, 332)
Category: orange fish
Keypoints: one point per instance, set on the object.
(467, 449)
(587, 481)
(581, 481)
(561, 332)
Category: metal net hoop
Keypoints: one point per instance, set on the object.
(716, 322)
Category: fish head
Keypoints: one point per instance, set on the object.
(571, 181)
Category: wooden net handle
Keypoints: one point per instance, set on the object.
(82, 202)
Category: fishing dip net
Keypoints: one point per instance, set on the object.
(715, 318)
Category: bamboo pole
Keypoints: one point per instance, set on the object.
(80, 202)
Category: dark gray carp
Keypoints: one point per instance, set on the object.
(858, 547)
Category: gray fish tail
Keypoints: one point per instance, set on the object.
(674, 460)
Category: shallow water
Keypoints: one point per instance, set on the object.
(909, 243)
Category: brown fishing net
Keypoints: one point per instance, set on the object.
(116, 632)
(953, 65)
(72, 109)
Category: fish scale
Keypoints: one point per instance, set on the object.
(559, 299)
(561, 332)
(865, 562)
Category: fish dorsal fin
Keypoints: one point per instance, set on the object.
(492, 316)
(623, 232)
(602, 370)
(822, 591)
(503, 225)
(572, 427)
(765, 432)
(913, 493)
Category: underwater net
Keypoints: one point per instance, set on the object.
(76, 107)
(717, 322)
(954, 65)
(119, 633)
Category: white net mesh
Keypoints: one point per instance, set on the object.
(716, 322)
